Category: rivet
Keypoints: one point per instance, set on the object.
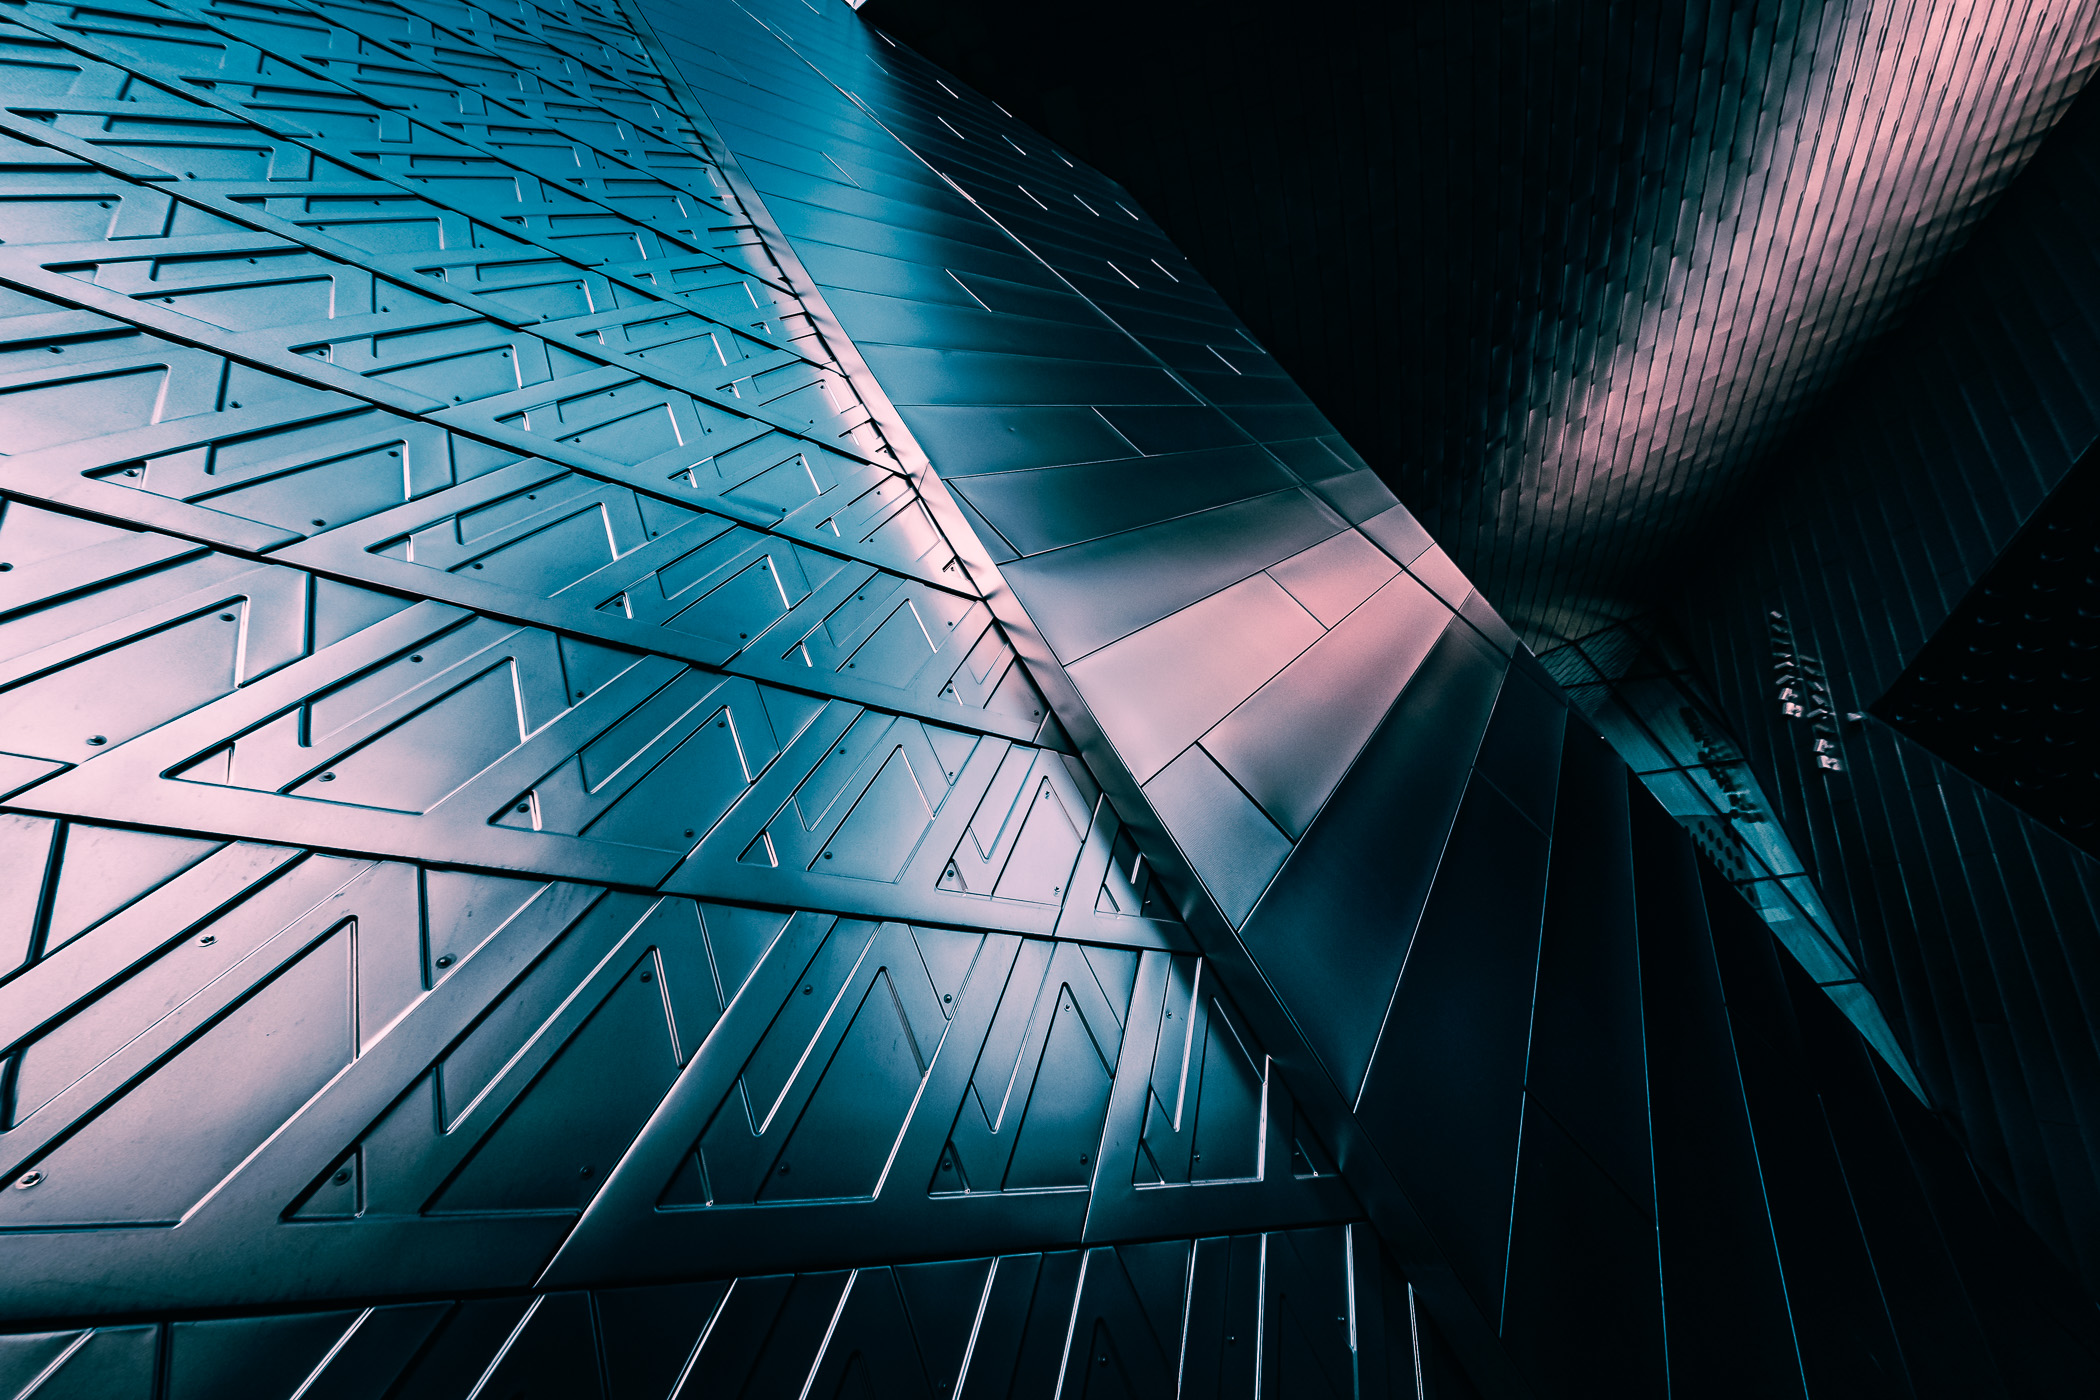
(808, 990)
(689, 831)
(1082, 1159)
(524, 806)
(320, 522)
(207, 940)
(415, 658)
(328, 777)
(783, 1169)
(477, 566)
(27, 1180)
(5, 568)
(827, 855)
(583, 1171)
(57, 349)
(949, 997)
(97, 739)
(445, 961)
(648, 977)
(225, 617)
(340, 1177)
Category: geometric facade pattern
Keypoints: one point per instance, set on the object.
(583, 818)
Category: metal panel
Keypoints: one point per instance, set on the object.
(546, 860)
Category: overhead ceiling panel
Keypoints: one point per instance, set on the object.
(1565, 273)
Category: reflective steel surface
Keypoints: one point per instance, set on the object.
(1567, 274)
(655, 744)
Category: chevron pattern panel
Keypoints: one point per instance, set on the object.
(509, 784)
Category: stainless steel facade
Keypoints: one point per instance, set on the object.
(664, 735)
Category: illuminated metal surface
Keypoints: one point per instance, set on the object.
(1637, 688)
(511, 537)
(534, 798)
(1566, 274)
(1977, 925)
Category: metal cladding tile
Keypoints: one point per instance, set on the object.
(1435, 569)
(1329, 941)
(1520, 754)
(1443, 1096)
(1084, 596)
(1555, 1324)
(1330, 579)
(946, 1091)
(1704, 1135)
(544, 544)
(1291, 742)
(849, 241)
(1233, 848)
(1049, 507)
(1397, 533)
(1587, 1064)
(1158, 689)
(977, 440)
(312, 1019)
(1358, 495)
(929, 376)
(1156, 430)
(897, 321)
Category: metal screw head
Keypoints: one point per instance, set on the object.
(783, 1169)
(445, 961)
(207, 940)
(340, 1177)
(583, 1171)
(27, 1180)
(808, 990)
(97, 740)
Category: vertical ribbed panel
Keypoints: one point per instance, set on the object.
(1977, 925)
